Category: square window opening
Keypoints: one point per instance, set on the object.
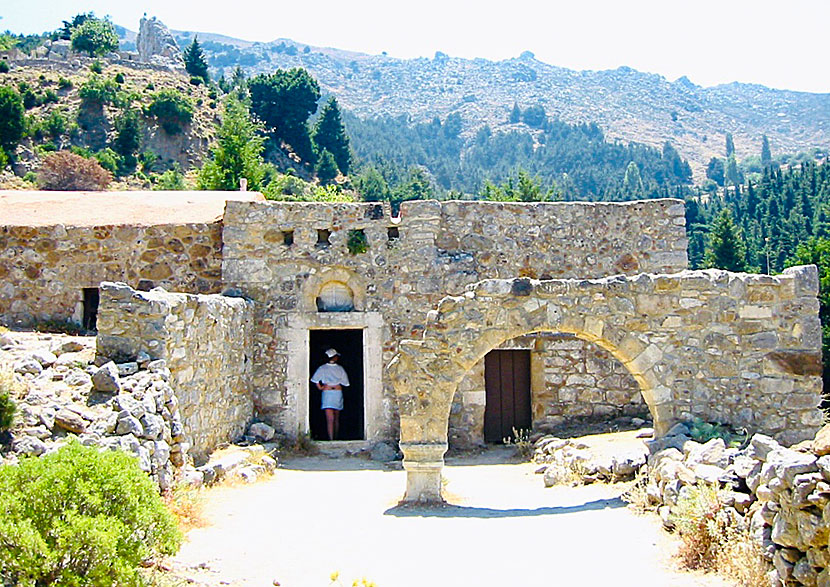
(288, 237)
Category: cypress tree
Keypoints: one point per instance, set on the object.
(730, 145)
(329, 134)
(326, 167)
(766, 154)
(515, 114)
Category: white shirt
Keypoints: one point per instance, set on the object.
(330, 374)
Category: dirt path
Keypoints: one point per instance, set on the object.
(318, 515)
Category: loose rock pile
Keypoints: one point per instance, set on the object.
(572, 461)
(129, 406)
(781, 494)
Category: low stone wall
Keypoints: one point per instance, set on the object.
(206, 341)
(781, 495)
(569, 378)
(43, 269)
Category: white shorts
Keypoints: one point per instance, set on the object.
(332, 399)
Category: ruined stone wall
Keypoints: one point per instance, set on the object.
(283, 254)
(206, 341)
(569, 378)
(43, 269)
(733, 348)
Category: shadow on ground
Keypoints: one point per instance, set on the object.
(458, 511)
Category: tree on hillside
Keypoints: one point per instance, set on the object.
(65, 32)
(372, 185)
(128, 136)
(195, 62)
(326, 169)
(515, 114)
(283, 101)
(766, 154)
(732, 174)
(94, 36)
(632, 181)
(716, 171)
(730, 145)
(12, 120)
(329, 134)
(726, 248)
(237, 153)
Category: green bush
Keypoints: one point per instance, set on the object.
(55, 124)
(96, 66)
(97, 91)
(4, 66)
(80, 517)
(109, 160)
(7, 411)
(119, 78)
(170, 180)
(357, 242)
(64, 83)
(172, 110)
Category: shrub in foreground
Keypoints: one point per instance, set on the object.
(80, 517)
(67, 171)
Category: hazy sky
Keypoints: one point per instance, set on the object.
(781, 44)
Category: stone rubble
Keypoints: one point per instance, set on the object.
(137, 412)
(781, 494)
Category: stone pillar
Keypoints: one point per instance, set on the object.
(423, 463)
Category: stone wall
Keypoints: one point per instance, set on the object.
(569, 378)
(732, 348)
(43, 269)
(284, 254)
(206, 341)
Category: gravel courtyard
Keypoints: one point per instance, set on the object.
(318, 516)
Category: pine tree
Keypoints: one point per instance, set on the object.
(726, 248)
(766, 154)
(329, 134)
(195, 62)
(730, 145)
(326, 169)
(733, 175)
(237, 154)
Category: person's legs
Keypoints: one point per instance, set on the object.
(331, 416)
(336, 423)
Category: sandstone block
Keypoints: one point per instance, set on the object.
(70, 421)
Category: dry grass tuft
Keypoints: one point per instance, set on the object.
(186, 504)
(636, 496)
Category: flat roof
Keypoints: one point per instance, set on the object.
(42, 208)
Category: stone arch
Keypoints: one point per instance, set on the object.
(543, 344)
(323, 280)
(709, 343)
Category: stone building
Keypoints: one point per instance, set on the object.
(457, 321)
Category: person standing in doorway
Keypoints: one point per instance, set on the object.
(330, 378)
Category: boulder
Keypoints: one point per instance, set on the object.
(711, 453)
(821, 444)
(28, 366)
(67, 346)
(153, 426)
(105, 379)
(44, 357)
(29, 446)
(762, 445)
(70, 421)
(126, 369)
(128, 424)
(261, 431)
(76, 378)
(127, 403)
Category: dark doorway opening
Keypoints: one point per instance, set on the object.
(349, 343)
(90, 318)
(507, 386)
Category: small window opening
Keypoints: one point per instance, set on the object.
(90, 318)
(323, 237)
(288, 237)
(392, 233)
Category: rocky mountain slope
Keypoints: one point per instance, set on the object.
(629, 105)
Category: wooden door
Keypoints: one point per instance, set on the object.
(507, 385)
